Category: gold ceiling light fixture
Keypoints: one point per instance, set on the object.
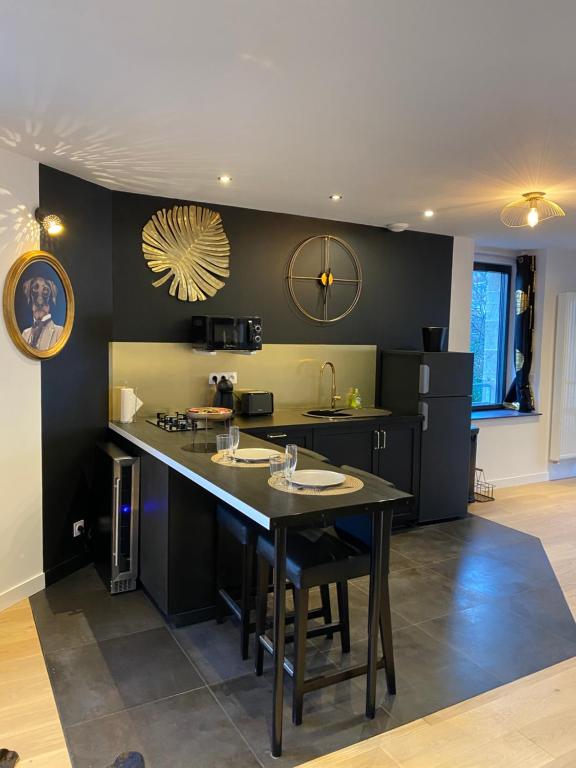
(530, 210)
(50, 223)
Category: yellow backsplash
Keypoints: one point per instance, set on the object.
(170, 377)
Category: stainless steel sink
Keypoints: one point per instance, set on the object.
(340, 414)
(329, 413)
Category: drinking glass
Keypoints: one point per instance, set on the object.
(224, 446)
(291, 461)
(234, 433)
(277, 468)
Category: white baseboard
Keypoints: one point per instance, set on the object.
(21, 591)
(508, 482)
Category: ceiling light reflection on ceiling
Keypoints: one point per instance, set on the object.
(530, 210)
(225, 179)
(428, 213)
(336, 197)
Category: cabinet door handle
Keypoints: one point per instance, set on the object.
(280, 434)
(424, 383)
(423, 408)
(383, 438)
(377, 433)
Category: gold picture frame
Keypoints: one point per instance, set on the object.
(38, 303)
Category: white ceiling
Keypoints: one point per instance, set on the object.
(401, 105)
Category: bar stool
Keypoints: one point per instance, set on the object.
(320, 558)
(245, 533)
(358, 528)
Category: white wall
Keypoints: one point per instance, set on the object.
(461, 297)
(515, 451)
(21, 572)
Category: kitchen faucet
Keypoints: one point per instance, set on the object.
(333, 397)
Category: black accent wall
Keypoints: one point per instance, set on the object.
(75, 382)
(407, 279)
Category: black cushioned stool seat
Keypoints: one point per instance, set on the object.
(240, 527)
(316, 557)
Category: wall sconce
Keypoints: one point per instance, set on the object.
(50, 223)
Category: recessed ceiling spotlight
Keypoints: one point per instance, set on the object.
(225, 179)
(399, 226)
(428, 213)
(336, 197)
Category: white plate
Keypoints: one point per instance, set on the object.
(317, 478)
(254, 454)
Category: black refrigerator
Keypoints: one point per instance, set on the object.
(437, 385)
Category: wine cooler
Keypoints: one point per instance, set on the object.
(116, 491)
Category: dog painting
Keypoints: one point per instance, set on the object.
(41, 295)
(39, 304)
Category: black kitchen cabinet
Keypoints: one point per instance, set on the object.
(394, 457)
(347, 443)
(177, 535)
(284, 435)
(397, 459)
(389, 450)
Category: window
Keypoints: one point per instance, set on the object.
(489, 333)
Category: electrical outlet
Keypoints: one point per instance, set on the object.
(76, 528)
(230, 375)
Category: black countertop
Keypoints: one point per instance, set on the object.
(247, 490)
(294, 417)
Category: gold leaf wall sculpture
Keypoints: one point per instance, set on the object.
(187, 242)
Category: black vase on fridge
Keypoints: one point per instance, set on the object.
(434, 338)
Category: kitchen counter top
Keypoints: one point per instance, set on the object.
(294, 417)
(247, 490)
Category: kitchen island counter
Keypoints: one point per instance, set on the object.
(247, 490)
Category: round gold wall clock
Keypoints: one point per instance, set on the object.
(189, 244)
(38, 304)
(324, 278)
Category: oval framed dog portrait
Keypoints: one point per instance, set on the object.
(38, 304)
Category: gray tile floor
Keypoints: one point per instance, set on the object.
(475, 605)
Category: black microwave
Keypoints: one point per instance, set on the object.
(241, 334)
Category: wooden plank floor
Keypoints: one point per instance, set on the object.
(526, 724)
(29, 722)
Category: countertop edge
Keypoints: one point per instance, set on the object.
(246, 509)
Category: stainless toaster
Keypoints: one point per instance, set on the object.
(256, 403)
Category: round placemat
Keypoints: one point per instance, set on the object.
(217, 459)
(350, 485)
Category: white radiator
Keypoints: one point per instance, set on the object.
(563, 431)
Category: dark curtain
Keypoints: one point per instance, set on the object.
(520, 396)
